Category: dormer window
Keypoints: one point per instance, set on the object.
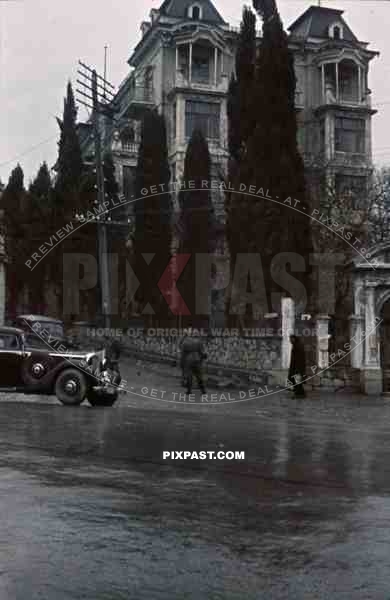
(195, 12)
(336, 31)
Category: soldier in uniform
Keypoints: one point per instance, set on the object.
(192, 357)
(297, 369)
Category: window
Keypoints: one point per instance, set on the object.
(349, 135)
(348, 81)
(195, 12)
(148, 84)
(46, 327)
(174, 116)
(322, 136)
(128, 182)
(9, 342)
(128, 138)
(204, 116)
(201, 65)
(336, 31)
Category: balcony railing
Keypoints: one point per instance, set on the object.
(141, 94)
(200, 81)
(130, 147)
(347, 98)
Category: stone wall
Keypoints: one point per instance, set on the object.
(252, 353)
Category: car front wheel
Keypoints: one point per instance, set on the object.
(71, 387)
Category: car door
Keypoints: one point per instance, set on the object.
(11, 357)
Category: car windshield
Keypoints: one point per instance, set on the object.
(54, 329)
(9, 342)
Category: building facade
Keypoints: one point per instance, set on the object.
(182, 67)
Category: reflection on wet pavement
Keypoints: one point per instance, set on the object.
(90, 510)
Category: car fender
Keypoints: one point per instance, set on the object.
(47, 381)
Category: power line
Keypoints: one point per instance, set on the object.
(32, 148)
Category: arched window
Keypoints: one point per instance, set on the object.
(127, 137)
(336, 31)
(195, 12)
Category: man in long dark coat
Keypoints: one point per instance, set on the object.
(192, 356)
(297, 371)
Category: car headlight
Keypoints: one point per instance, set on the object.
(105, 377)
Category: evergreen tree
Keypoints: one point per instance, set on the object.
(41, 187)
(196, 221)
(17, 236)
(73, 191)
(15, 186)
(241, 110)
(272, 163)
(69, 164)
(40, 197)
(153, 213)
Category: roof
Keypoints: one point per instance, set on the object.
(14, 330)
(179, 9)
(314, 23)
(40, 318)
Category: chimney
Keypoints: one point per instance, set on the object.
(145, 26)
(154, 13)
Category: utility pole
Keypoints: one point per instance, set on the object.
(101, 226)
(98, 108)
(105, 70)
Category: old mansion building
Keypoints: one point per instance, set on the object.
(182, 66)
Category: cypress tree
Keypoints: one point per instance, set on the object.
(17, 236)
(40, 198)
(74, 191)
(69, 164)
(41, 187)
(196, 221)
(241, 111)
(153, 213)
(272, 163)
(277, 164)
(242, 114)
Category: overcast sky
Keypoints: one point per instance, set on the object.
(41, 42)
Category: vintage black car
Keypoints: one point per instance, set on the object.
(71, 376)
(34, 325)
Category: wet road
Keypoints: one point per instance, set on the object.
(90, 510)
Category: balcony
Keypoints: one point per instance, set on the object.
(344, 84)
(140, 98)
(201, 82)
